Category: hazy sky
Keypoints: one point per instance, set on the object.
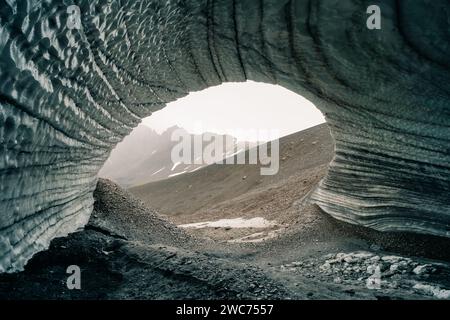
(250, 105)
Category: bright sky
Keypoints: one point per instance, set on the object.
(232, 106)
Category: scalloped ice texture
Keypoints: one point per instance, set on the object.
(67, 96)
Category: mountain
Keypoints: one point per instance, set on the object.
(145, 155)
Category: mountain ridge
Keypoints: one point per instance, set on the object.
(144, 156)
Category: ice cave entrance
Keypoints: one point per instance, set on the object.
(249, 112)
(174, 160)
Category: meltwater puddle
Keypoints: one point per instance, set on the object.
(257, 222)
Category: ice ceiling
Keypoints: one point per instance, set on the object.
(70, 91)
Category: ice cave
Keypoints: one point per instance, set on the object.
(69, 92)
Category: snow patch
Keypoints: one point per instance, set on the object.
(158, 171)
(176, 174)
(257, 222)
(175, 165)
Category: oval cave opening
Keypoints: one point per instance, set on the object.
(228, 163)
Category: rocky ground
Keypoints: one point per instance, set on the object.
(391, 275)
(128, 252)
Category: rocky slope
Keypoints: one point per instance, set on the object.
(232, 191)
